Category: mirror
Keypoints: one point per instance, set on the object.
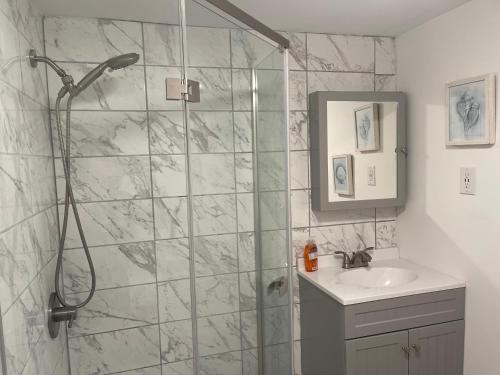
(358, 150)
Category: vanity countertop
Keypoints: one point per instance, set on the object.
(327, 279)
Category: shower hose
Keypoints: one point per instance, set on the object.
(65, 147)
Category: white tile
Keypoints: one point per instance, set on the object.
(340, 53)
(106, 178)
(212, 174)
(299, 170)
(299, 135)
(167, 132)
(116, 266)
(109, 223)
(215, 88)
(155, 80)
(219, 334)
(332, 81)
(217, 294)
(242, 89)
(247, 49)
(115, 351)
(214, 214)
(91, 39)
(221, 364)
(208, 46)
(386, 234)
(245, 207)
(297, 52)
(300, 208)
(211, 131)
(174, 300)
(385, 83)
(98, 133)
(115, 309)
(172, 259)
(162, 44)
(169, 175)
(171, 217)
(216, 254)
(176, 341)
(385, 55)
(122, 89)
(347, 237)
(297, 82)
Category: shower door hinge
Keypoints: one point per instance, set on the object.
(180, 89)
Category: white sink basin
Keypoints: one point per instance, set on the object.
(378, 277)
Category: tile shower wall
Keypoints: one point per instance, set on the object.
(321, 62)
(28, 221)
(129, 176)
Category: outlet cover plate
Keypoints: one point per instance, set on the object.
(468, 180)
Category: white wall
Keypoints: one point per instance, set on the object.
(455, 233)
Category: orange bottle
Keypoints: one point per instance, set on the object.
(311, 256)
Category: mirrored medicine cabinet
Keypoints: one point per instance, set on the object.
(358, 150)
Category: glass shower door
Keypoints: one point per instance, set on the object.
(272, 214)
(237, 197)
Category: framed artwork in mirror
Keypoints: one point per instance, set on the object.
(342, 174)
(470, 110)
(367, 127)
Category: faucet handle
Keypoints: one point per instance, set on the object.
(347, 259)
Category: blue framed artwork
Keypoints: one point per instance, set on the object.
(367, 127)
(470, 108)
(342, 174)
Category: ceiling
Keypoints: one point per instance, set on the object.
(359, 17)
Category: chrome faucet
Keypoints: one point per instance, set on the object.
(360, 258)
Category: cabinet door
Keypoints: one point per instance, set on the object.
(378, 355)
(437, 349)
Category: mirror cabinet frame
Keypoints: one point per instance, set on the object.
(318, 136)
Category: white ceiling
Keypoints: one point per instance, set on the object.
(360, 17)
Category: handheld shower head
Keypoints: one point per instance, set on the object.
(114, 63)
(122, 61)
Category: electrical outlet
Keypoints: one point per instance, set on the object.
(468, 180)
(372, 179)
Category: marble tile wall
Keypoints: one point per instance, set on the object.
(129, 150)
(129, 166)
(28, 224)
(333, 62)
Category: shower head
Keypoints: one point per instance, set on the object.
(114, 63)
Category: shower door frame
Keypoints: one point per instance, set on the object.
(283, 44)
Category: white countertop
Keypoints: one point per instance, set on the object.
(326, 279)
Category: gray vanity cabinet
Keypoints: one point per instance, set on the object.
(381, 354)
(437, 349)
(431, 350)
(420, 334)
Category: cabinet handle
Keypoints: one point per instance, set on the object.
(416, 347)
(407, 350)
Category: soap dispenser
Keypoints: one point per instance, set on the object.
(311, 256)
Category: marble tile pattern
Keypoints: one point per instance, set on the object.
(28, 224)
(129, 169)
(321, 62)
(137, 213)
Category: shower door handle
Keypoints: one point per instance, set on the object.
(280, 284)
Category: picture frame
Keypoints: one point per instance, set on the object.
(342, 174)
(471, 111)
(366, 122)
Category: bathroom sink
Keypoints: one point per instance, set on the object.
(378, 277)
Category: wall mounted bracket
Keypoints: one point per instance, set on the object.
(180, 89)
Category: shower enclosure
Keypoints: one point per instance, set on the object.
(184, 201)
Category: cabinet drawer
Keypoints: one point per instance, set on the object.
(401, 313)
